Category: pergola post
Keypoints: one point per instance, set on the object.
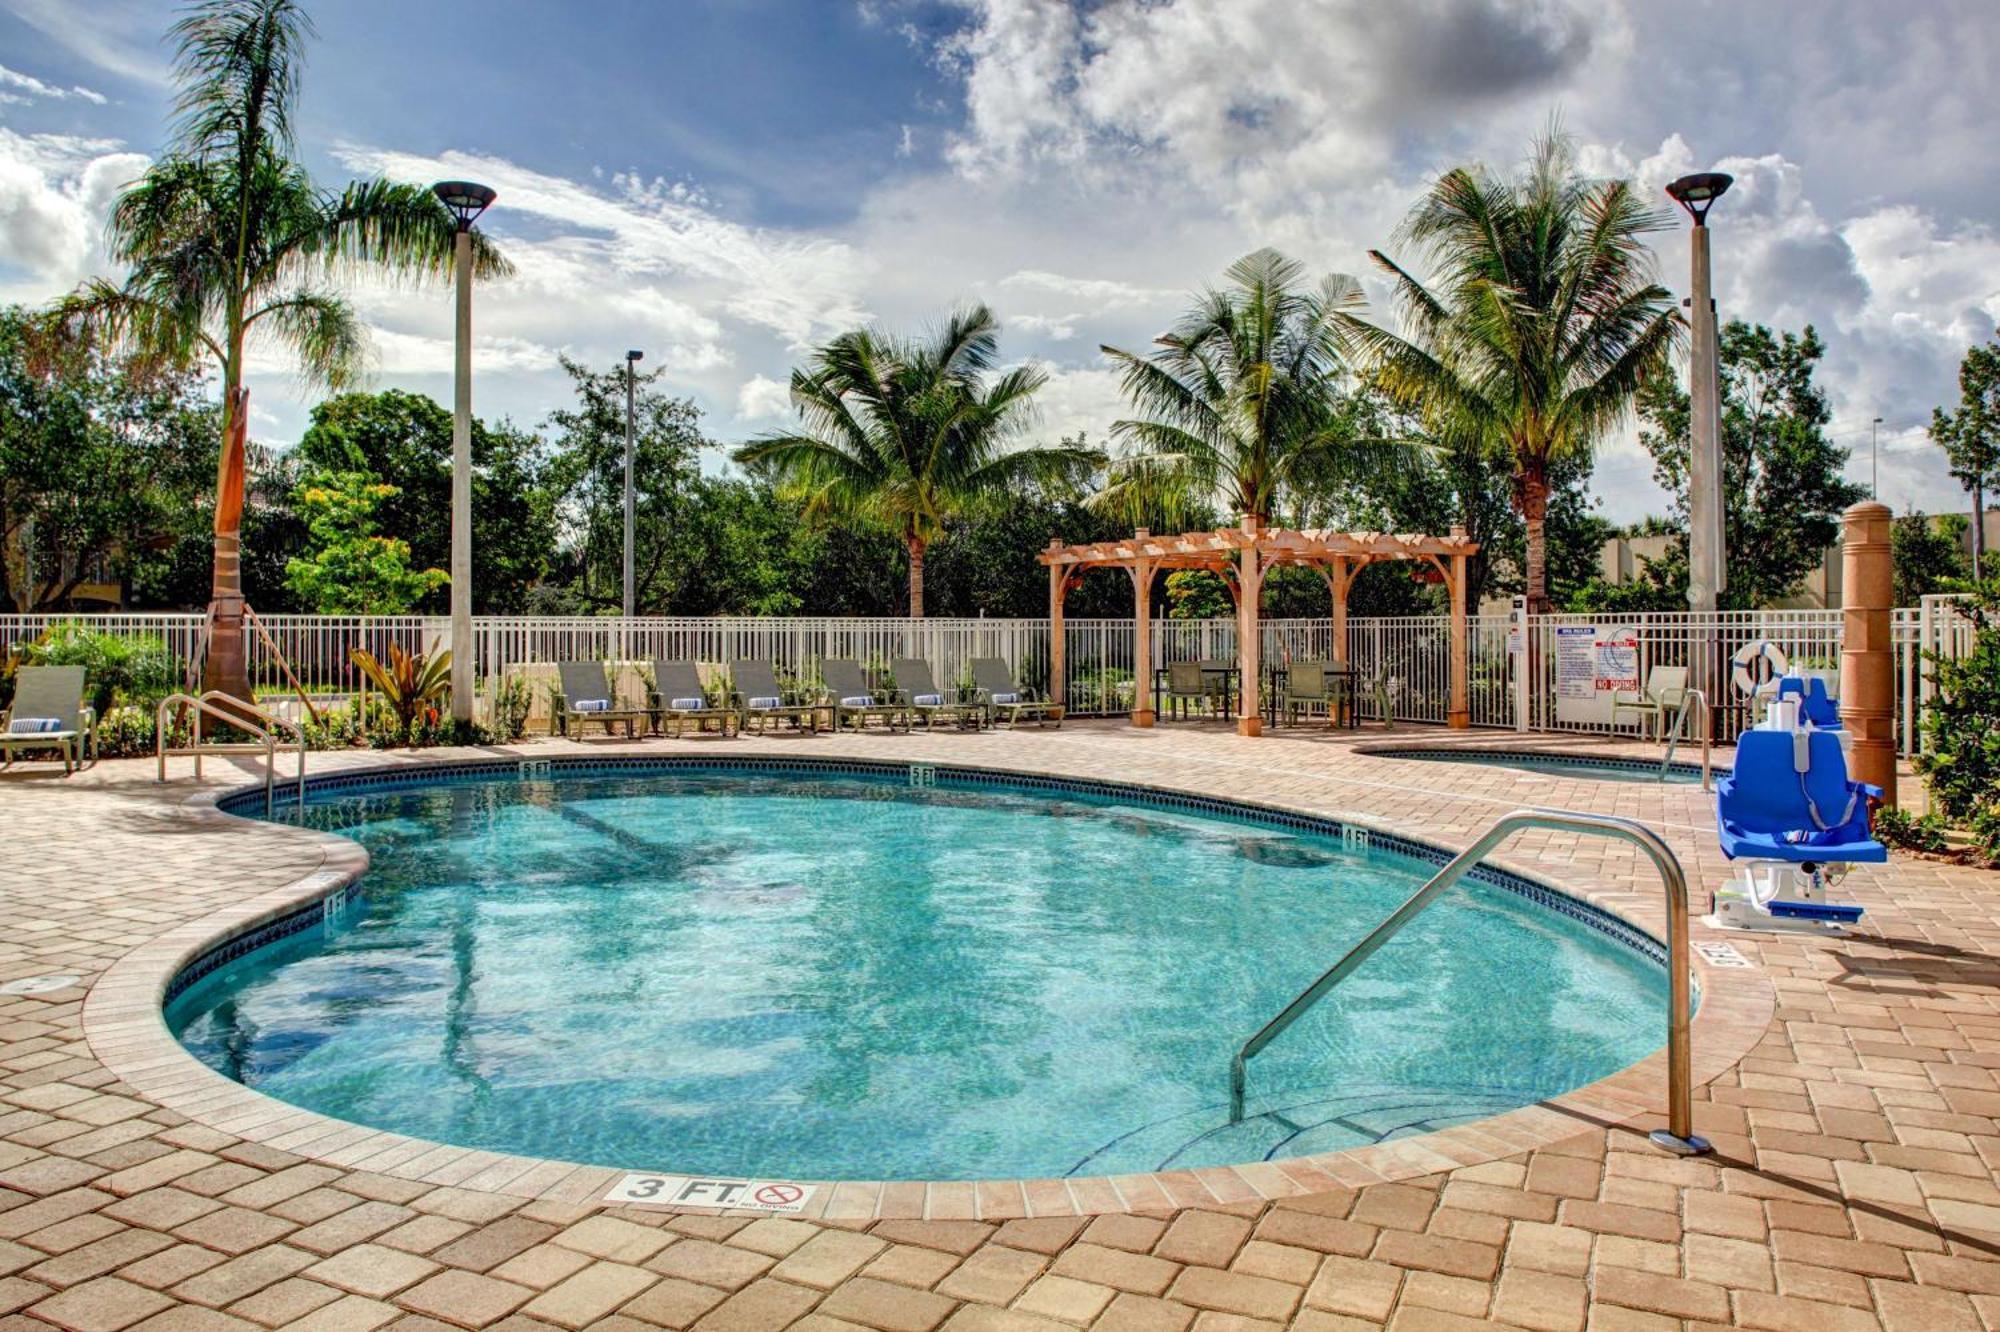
(1339, 577)
(1058, 593)
(1249, 635)
(1459, 715)
(1142, 632)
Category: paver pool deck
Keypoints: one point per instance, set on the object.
(1847, 1085)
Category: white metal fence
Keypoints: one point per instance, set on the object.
(1402, 663)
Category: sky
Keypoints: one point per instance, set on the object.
(724, 183)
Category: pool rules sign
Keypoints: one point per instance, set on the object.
(1594, 663)
(756, 1195)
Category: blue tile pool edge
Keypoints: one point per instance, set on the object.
(323, 907)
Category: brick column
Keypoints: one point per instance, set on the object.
(1867, 654)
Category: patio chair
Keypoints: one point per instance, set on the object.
(678, 698)
(1186, 683)
(1313, 684)
(586, 696)
(1665, 687)
(917, 691)
(49, 713)
(852, 699)
(754, 691)
(995, 690)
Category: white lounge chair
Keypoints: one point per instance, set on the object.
(1665, 687)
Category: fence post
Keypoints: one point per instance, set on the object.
(1867, 649)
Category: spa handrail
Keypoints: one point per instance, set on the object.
(244, 717)
(1678, 1137)
(1674, 736)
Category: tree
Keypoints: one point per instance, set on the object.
(100, 464)
(1929, 555)
(1970, 438)
(1540, 323)
(1240, 400)
(1782, 492)
(405, 440)
(586, 469)
(904, 433)
(227, 241)
(350, 568)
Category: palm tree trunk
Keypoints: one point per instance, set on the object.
(226, 666)
(916, 545)
(1978, 530)
(1532, 492)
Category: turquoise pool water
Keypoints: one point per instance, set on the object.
(844, 977)
(1553, 765)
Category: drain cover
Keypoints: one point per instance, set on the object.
(39, 984)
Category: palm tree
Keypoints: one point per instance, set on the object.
(1542, 320)
(1241, 400)
(226, 241)
(907, 433)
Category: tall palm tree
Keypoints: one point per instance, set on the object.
(1241, 399)
(1541, 321)
(227, 241)
(906, 433)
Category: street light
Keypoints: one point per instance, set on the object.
(1875, 459)
(1707, 575)
(466, 202)
(632, 359)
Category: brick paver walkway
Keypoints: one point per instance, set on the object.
(1852, 1185)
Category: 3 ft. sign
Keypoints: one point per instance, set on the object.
(759, 1195)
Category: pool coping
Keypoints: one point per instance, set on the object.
(1469, 753)
(124, 1022)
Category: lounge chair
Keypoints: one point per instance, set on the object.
(586, 696)
(852, 699)
(678, 698)
(755, 693)
(996, 690)
(917, 691)
(1309, 685)
(49, 713)
(1665, 687)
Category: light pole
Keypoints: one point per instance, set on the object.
(1875, 459)
(632, 359)
(466, 202)
(1707, 575)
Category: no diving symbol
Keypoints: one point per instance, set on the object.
(779, 1195)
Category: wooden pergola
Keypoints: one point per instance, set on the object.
(1242, 557)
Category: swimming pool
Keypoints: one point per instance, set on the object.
(1589, 767)
(837, 975)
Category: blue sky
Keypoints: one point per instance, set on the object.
(723, 182)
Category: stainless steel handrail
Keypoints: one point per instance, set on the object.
(1674, 736)
(244, 717)
(1678, 1137)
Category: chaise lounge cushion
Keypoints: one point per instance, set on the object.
(764, 703)
(34, 726)
(591, 705)
(929, 700)
(689, 704)
(858, 701)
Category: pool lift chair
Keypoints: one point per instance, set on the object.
(1790, 816)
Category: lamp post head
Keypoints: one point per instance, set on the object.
(1697, 193)
(635, 356)
(465, 200)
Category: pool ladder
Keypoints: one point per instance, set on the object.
(1674, 736)
(1678, 1137)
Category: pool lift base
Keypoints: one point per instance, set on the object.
(1780, 897)
(1691, 1145)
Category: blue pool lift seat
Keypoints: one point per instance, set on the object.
(1816, 706)
(1767, 809)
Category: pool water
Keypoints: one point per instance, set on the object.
(844, 977)
(1550, 765)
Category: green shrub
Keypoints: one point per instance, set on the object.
(511, 703)
(1961, 762)
(118, 668)
(1897, 827)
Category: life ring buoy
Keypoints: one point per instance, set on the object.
(1756, 667)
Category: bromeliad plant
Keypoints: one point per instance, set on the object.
(411, 683)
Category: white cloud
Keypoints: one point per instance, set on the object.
(26, 87)
(763, 399)
(54, 193)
